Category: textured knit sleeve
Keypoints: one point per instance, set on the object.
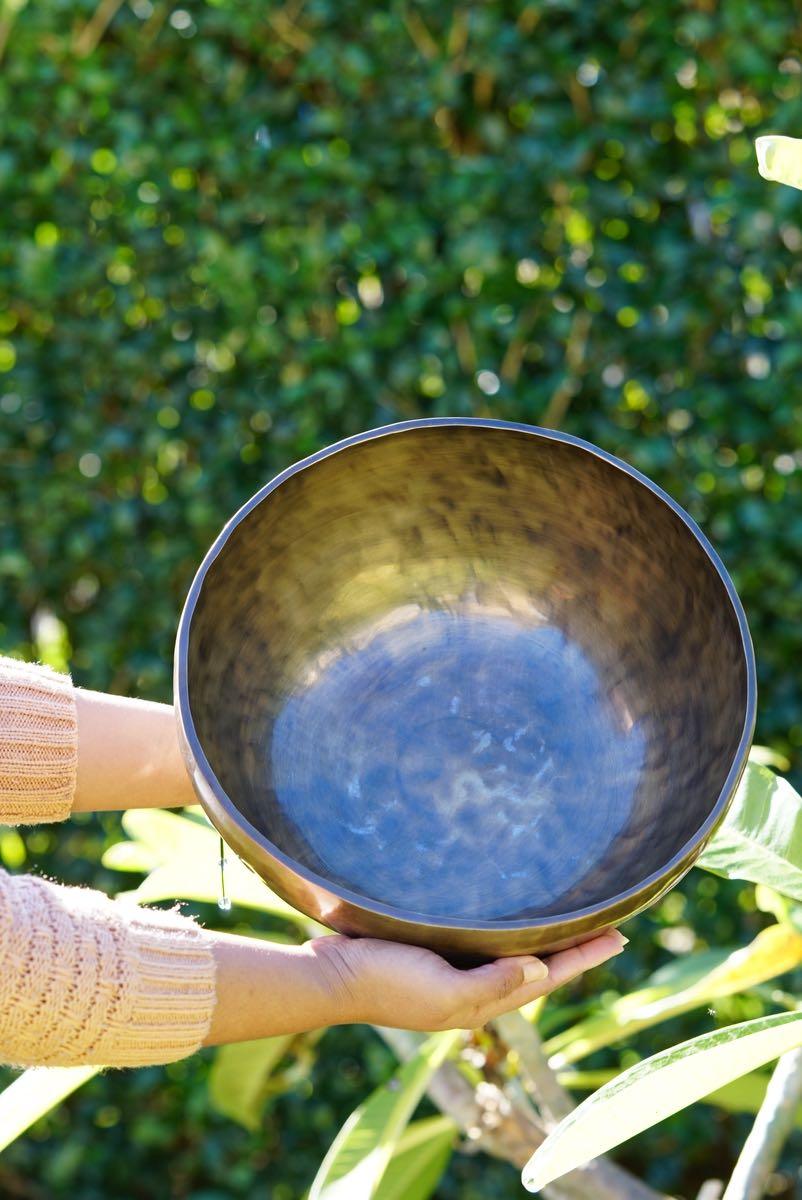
(83, 979)
(38, 743)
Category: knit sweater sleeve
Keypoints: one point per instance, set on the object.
(38, 743)
(83, 979)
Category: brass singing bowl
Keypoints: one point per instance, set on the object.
(467, 684)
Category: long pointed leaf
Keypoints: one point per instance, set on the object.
(774, 951)
(419, 1160)
(35, 1093)
(361, 1151)
(744, 1095)
(657, 1088)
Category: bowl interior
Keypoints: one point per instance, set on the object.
(468, 672)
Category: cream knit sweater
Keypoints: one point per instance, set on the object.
(82, 979)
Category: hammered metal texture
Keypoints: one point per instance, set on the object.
(456, 676)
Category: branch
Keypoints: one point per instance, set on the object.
(506, 1131)
(417, 30)
(463, 341)
(773, 1123)
(574, 365)
(520, 1035)
(90, 36)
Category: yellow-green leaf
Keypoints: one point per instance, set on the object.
(35, 1093)
(779, 159)
(182, 858)
(239, 1074)
(694, 982)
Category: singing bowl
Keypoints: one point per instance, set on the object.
(467, 684)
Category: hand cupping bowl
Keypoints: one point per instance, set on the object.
(466, 684)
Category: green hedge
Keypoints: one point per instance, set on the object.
(232, 233)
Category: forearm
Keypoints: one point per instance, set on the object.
(128, 755)
(266, 988)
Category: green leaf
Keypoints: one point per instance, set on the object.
(361, 1151)
(420, 1158)
(185, 879)
(182, 858)
(130, 856)
(239, 1074)
(681, 986)
(761, 836)
(780, 159)
(656, 1088)
(168, 834)
(34, 1094)
(621, 1017)
(744, 1095)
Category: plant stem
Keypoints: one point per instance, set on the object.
(521, 1036)
(506, 1131)
(89, 37)
(560, 402)
(773, 1123)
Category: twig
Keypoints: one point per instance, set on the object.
(458, 35)
(514, 354)
(521, 1036)
(464, 343)
(284, 25)
(574, 363)
(773, 1123)
(90, 36)
(417, 30)
(508, 1132)
(529, 18)
(9, 11)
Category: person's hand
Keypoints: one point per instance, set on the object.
(385, 983)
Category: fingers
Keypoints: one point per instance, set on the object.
(566, 965)
(472, 993)
(501, 986)
(496, 980)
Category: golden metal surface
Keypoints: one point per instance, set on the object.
(467, 684)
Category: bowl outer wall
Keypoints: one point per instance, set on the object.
(348, 912)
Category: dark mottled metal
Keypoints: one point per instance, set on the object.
(464, 683)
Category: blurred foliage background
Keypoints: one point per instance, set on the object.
(231, 234)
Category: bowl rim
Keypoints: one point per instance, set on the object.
(680, 861)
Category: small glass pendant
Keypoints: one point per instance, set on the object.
(223, 902)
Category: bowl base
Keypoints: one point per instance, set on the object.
(457, 752)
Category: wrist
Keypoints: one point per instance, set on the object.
(337, 978)
(265, 989)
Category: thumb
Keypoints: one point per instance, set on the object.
(497, 980)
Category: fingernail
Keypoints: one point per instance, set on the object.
(624, 940)
(534, 971)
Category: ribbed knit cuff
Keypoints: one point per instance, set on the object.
(84, 979)
(169, 993)
(38, 743)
